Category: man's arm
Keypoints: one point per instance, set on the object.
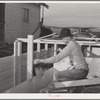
(64, 53)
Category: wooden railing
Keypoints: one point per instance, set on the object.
(30, 41)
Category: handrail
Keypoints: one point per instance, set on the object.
(93, 43)
(82, 38)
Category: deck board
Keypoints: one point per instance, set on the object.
(84, 82)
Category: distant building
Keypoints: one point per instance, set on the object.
(17, 20)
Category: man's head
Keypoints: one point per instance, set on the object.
(66, 35)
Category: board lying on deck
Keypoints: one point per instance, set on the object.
(83, 82)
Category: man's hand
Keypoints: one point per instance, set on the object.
(36, 61)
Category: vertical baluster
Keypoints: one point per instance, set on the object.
(38, 47)
(46, 46)
(55, 48)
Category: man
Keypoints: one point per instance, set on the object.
(72, 50)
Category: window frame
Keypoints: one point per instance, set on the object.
(25, 17)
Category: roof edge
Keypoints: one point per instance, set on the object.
(44, 4)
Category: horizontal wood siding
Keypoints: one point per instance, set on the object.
(14, 25)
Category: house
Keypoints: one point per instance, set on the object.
(17, 20)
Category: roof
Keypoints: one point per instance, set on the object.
(44, 4)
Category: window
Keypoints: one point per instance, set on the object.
(25, 15)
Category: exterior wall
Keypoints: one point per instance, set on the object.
(14, 25)
(2, 21)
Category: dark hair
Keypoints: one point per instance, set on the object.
(65, 32)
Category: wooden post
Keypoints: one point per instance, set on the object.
(29, 56)
(54, 70)
(17, 62)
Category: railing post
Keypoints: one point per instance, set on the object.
(55, 53)
(29, 56)
(19, 58)
(17, 62)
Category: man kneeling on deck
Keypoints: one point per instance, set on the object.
(72, 50)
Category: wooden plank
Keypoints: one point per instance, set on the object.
(84, 82)
(82, 38)
(29, 56)
(38, 47)
(7, 85)
(24, 67)
(47, 36)
(15, 60)
(22, 39)
(92, 43)
(33, 85)
(19, 65)
(6, 74)
(46, 46)
(23, 73)
(10, 79)
(49, 41)
(6, 63)
(17, 74)
(55, 48)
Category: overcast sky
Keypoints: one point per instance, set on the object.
(72, 14)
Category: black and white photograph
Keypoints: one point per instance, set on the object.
(50, 48)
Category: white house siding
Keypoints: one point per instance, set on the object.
(14, 25)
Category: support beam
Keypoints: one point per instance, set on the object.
(29, 56)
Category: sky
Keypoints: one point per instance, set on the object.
(72, 14)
